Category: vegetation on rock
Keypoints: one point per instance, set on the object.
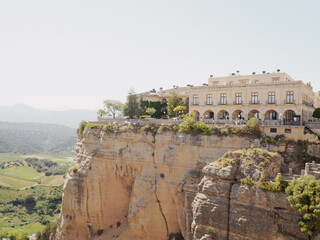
(304, 196)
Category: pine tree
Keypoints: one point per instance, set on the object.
(132, 107)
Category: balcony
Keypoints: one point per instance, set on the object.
(208, 103)
(195, 104)
(254, 102)
(223, 103)
(237, 103)
(289, 102)
(271, 102)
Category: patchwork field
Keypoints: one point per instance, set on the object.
(23, 176)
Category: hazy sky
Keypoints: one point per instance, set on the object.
(74, 54)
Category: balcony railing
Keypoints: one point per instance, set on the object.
(289, 101)
(195, 104)
(254, 102)
(271, 102)
(208, 103)
(223, 103)
(237, 103)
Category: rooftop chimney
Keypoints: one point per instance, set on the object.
(211, 75)
(233, 74)
(253, 73)
(278, 70)
(161, 88)
(238, 72)
(263, 72)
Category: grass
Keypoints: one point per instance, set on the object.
(28, 228)
(9, 181)
(53, 180)
(24, 173)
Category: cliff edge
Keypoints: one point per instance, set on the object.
(144, 185)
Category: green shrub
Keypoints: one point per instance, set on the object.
(190, 126)
(247, 181)
(278, 185)
(211, 232)
(145, 116)
(108, 128)
(81, 128)
(304, 196)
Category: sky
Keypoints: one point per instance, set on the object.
(74, 54)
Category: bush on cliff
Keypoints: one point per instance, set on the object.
(190, 126)
(278, 185)
(304, 196)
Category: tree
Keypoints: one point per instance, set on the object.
(173, 102)
(132, 107)
(101, 113)
(111, 107)
(179, 109)
(316, 113)
(151, 111)
(304, 196)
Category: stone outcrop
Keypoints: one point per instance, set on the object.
(140, 185)
(238, 211)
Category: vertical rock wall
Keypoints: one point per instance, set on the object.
(136, 185)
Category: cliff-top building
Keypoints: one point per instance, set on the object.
(273, 97)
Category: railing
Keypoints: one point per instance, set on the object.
(140, 121)
(208, 103)
(254, 102)
(195, 104)
(237, 103)
(289, 102)
(223, 103)
(271, 102)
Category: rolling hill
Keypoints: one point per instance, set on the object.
(28, 138)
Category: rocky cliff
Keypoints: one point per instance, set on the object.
(141, 185)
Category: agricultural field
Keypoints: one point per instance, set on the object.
(19, 175)
(30, 191)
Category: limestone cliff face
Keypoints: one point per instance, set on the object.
(136, 185)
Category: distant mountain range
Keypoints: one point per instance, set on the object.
(26, 138)
(24, 113)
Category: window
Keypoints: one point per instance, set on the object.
(243, 82)
(209, 99)
(275, 80)
(223, 99)
(238, 98)
(230, 83)
(254, 98)
(271, 98)
(289, 97)
(287, 130)
(195, 100)
(273, 130)
(256, 81)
